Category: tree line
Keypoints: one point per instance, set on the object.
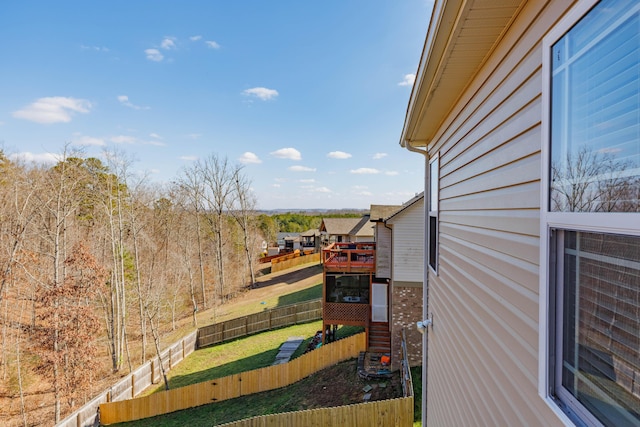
(96, 264)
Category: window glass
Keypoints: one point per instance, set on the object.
(434, 196)
(600, 325)
(434, 185)
(348, 288)
(595, 112)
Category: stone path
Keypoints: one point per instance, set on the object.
(287, 349)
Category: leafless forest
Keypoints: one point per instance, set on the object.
(96, 265)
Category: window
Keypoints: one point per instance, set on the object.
(597, 296)
(591, 214)
(432, 226)
(348, 288)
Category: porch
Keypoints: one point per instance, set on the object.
(350, 257)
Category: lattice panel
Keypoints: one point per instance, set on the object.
(350, 312)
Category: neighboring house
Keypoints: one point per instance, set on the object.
(350, 288)
(288, 242)
(528, 114)
(310, 239)
(346, 230)
(406, 273)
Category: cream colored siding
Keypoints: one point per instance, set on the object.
(383, 251)
(483, 347)
(408, 243)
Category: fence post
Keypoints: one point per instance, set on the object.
(133, 385)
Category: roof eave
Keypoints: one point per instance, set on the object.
(440, 81)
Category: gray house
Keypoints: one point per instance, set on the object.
(399, 268)
(528, 116)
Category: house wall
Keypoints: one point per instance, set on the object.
(406, 310)
(383, 251)
(406, 281)
(408, 244)
(483, 345)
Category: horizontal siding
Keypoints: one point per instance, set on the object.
(483, 347)
(383, 251)
(408, 244)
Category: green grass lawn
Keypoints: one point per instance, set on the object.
(243, 354)
(245, 308)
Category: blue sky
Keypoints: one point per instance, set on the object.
(309, 96)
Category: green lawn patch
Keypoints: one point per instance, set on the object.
(241, 355)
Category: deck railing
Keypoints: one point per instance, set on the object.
(350, 257)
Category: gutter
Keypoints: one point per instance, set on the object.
(421, 325)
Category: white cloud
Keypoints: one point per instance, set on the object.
(195, 38)
(248, 158)
(276, 185)
(408, 80)
(301, 169)
(124, 100)
(392, 173)
(338, 155)
(168, 43)
(194, 135)
(189, 158)
(364, 193)
(56, 109)
(322, 190)
(261, 93)
(46, 158)
(154, 142)
(212, 44)
(287, 153)
(85, 140)
(365, 171)
(379, 156)
(155, 135)
(609, 150)
(308, 181)
(123, 139)
(94, 48)
(154, 55)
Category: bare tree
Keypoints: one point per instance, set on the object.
(192, 186)
(591, 181)
(241, 208)
(218, 179)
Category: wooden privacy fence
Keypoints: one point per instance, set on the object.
(134, 383)
(256, 381)
(293, 260)
(259, 322)
(392, 412)
(149, 373)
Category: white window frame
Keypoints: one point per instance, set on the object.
(614, 223)
(432, 204)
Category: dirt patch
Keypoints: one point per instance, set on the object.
(341, 385)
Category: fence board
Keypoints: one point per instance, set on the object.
(259, 322)
(283, 263)
(131, 385)
(392, 412)
(256, 381)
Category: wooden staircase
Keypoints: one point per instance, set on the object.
(379, 337)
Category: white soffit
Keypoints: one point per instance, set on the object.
(461, 35)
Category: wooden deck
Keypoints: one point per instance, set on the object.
(350, 257)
